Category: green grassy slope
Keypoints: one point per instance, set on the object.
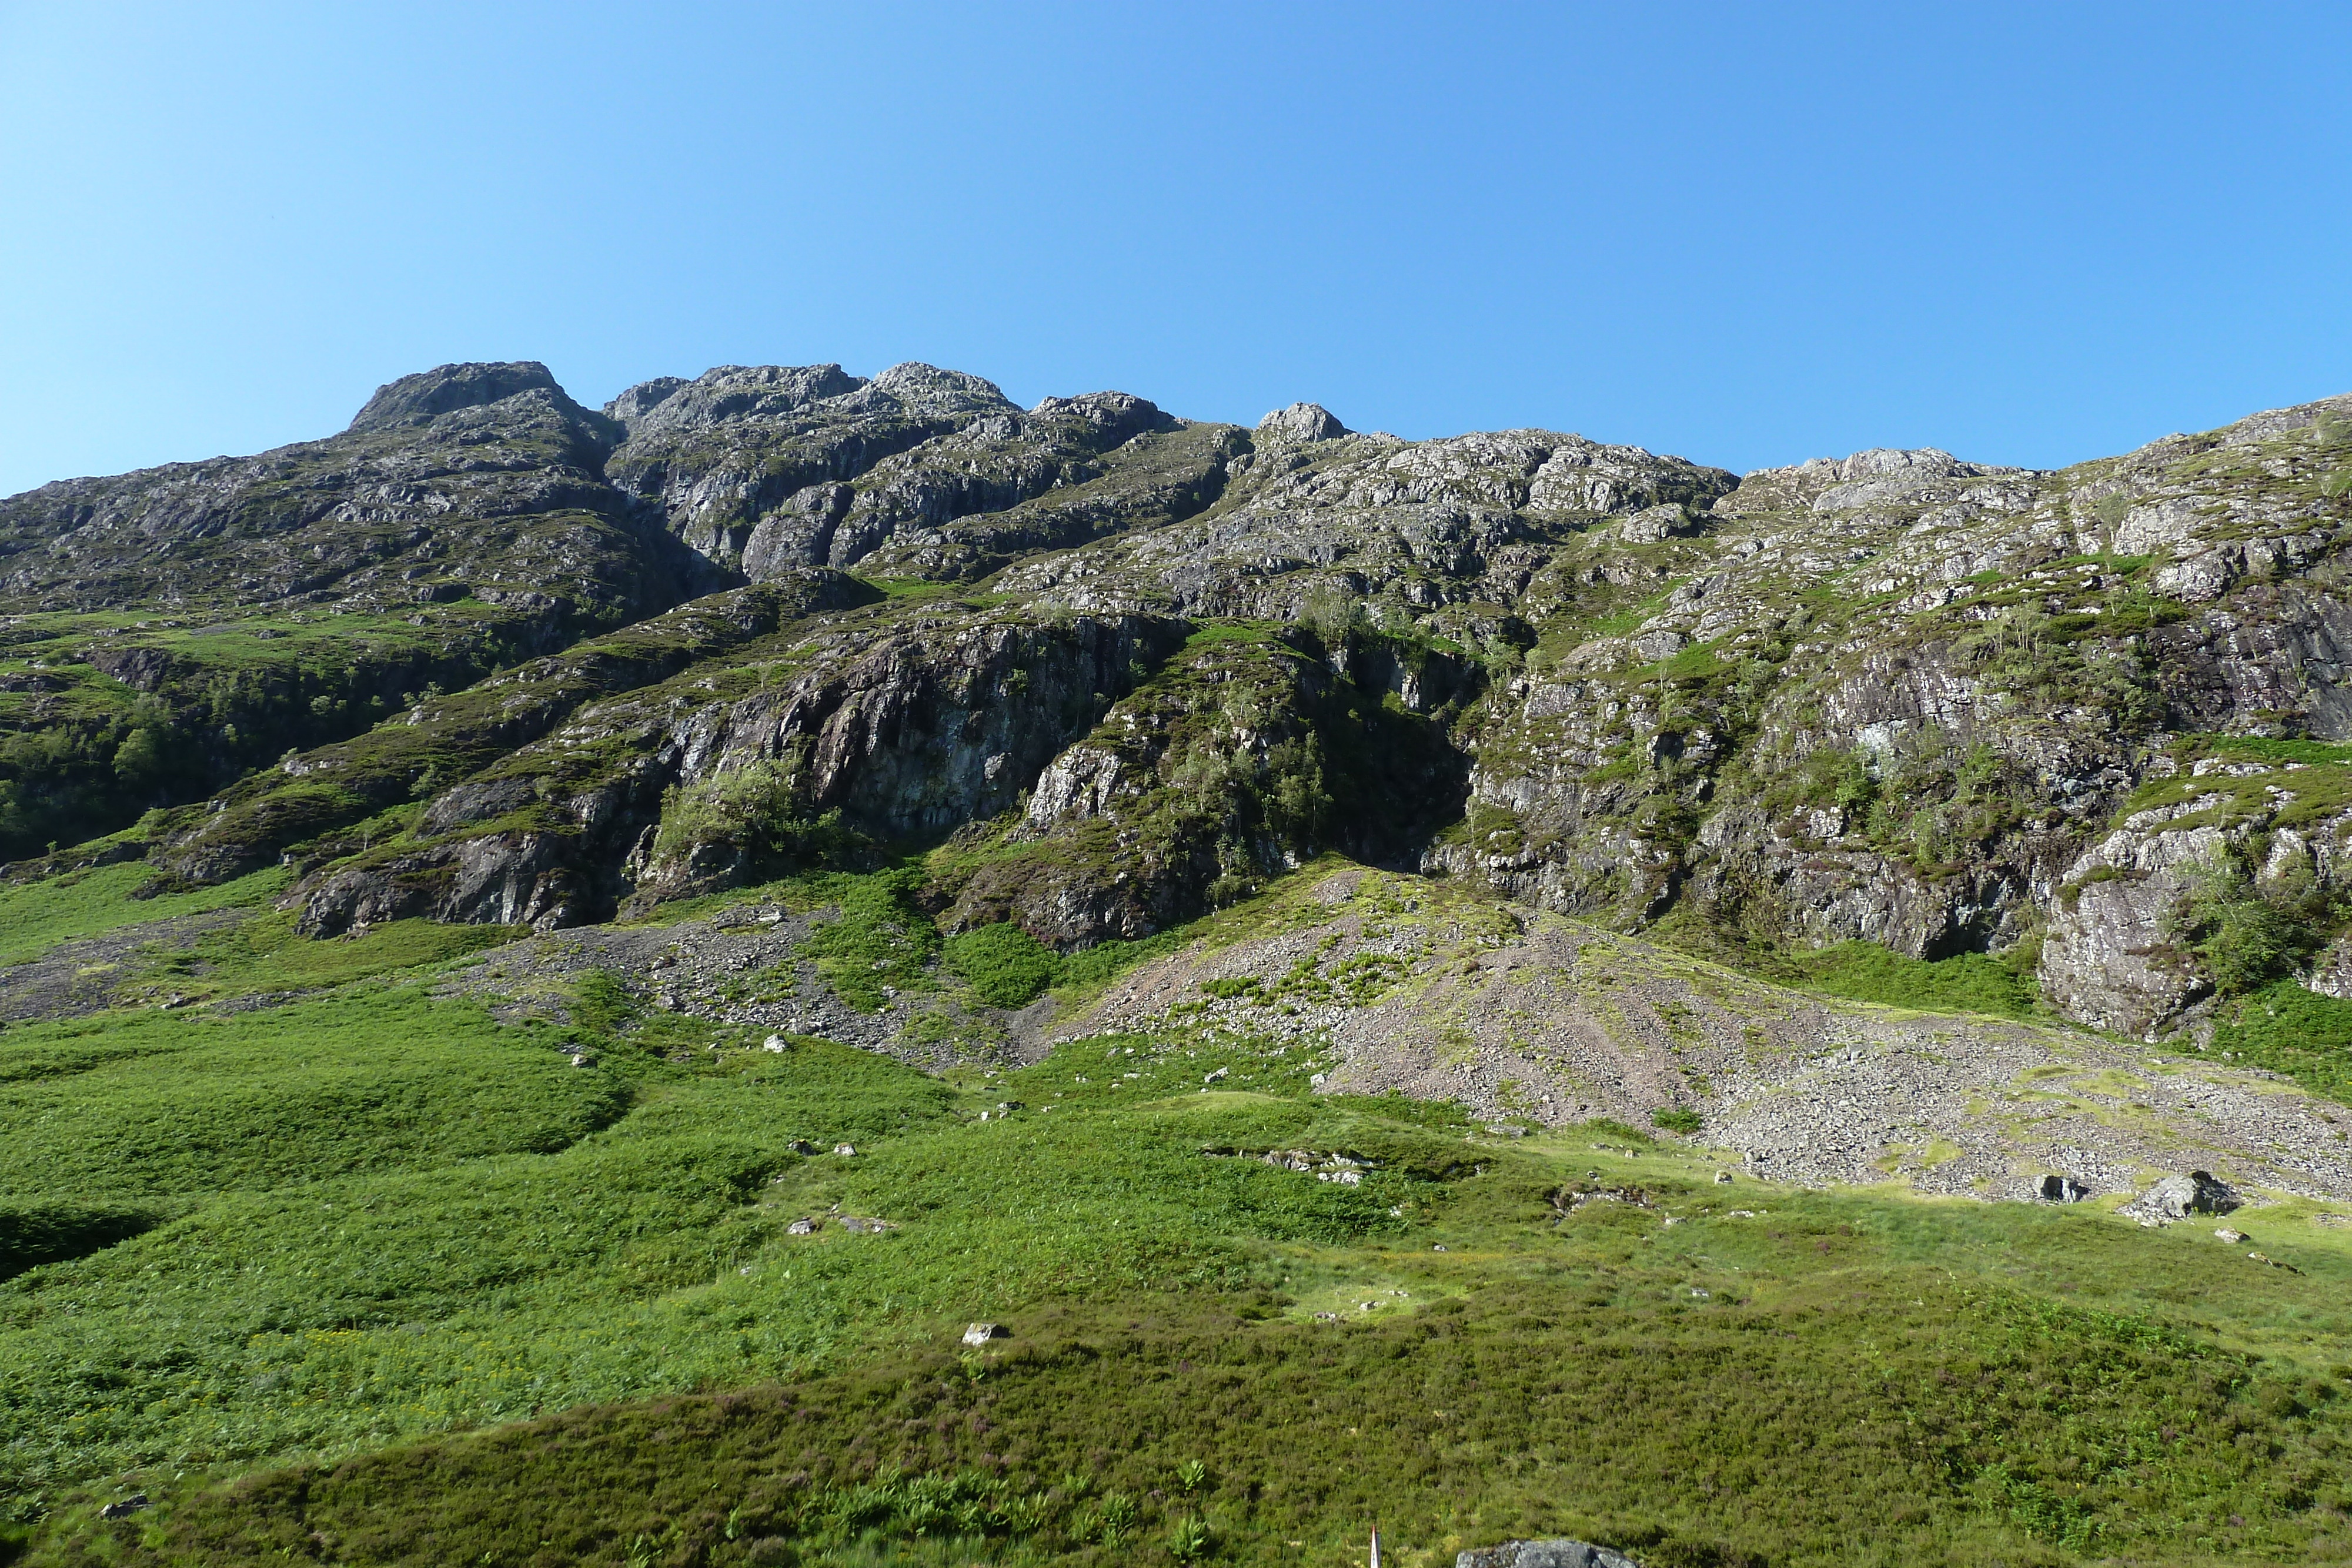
(273, 1269)
(36, 916)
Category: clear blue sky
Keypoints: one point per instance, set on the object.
(1746, 234)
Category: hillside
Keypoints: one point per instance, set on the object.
(1508, 983)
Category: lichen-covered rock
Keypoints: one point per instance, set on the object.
(2176, 1198)
(1560, 1553)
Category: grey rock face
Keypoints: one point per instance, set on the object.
(1897, 697)
(1301, 422)
(911, 722)
(1543, 1554)
(466, 731)
(716, 455)
(1236, 762)
(2109, 958)
(1442, 535)
(495, 496)
(989, 467)
(412, 399)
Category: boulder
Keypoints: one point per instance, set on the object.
(1652, 525)
(2179, 1197)
(1301, 422)
(1544, 1555)
(981, 1334)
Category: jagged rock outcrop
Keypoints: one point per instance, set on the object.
(300, 596)
(715, 455)
(1898, 697)
(484, 478)
(445, 738)
(1301, 422)
(1239, 759)
(1444, 537)
(771, 469)
(418, 399)
(899, 722)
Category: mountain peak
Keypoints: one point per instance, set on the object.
(446, 388)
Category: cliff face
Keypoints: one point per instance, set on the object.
(1111, 668)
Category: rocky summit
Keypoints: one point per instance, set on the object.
(1004, 865)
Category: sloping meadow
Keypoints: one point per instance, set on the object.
(318, 1244)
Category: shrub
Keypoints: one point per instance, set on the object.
(1679, 1119)
(1189, 1538)
(2246, 935)
(753, 808)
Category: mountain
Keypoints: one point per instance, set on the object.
(552, 664)
(807, 969)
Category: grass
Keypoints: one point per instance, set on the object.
(172, 1106)
(266, 954)
(1866, 972)
(2321, 789)
(37, 917)
(2291, 1030)
(1163, 1299)
(371, 1277)
(1846, 1378)
(880, 942)
(1004, 964)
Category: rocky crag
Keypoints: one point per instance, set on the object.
(491, 656)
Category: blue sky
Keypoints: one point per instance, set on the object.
(1748, 234)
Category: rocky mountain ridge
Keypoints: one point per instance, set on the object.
(490, 656)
